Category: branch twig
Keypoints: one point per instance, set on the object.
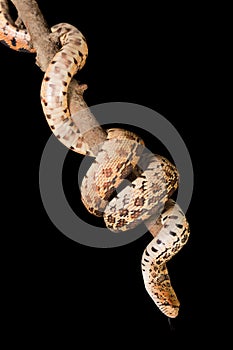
(46, 48)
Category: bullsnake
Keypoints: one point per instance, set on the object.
(153, 181)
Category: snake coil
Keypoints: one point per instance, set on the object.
(146, 199)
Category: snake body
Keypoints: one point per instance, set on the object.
(171, 232)
(54, 88)
(11, 36)
(152, 182)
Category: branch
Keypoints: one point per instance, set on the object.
(38, 29)
(46, 48)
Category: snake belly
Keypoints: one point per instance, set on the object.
(147, 197)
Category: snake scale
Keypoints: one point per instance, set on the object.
(146, 199)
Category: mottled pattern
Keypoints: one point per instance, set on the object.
(114, 162)
(146, 195)
(171, 232)
(152, 178)
(13, 37)
(54, 88)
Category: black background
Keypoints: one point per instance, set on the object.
(152, 56)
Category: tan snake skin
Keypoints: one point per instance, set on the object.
(146, 199)
(54, 88)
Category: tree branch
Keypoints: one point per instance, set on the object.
(46, 48)
(38, 29)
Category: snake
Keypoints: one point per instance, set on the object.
(152, 179)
